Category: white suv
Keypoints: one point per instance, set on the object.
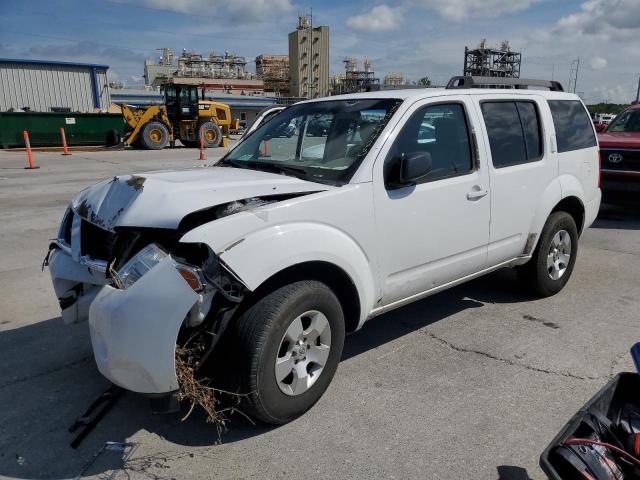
(332, 212)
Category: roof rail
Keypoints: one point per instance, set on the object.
(502, 82)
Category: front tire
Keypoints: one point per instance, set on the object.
(287, 347)
(154, 136)
(552, 262)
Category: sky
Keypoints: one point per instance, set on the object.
(416, 37)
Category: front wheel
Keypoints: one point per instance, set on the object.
(287, 347)
(552, 262)
(154, 136)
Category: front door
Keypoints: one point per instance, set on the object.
(437, 230)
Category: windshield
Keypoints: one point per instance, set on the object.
(628, 121)
(320, 141)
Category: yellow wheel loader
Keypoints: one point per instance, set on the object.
(182, 117)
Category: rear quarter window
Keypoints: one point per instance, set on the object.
(573, 125)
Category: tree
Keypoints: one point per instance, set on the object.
(425, 82)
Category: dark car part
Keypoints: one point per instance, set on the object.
(96, 411)
(600, 441)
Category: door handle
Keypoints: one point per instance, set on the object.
(477, 193)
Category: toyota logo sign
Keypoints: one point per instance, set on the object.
(615, 158)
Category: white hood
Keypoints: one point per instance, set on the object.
(161, 200)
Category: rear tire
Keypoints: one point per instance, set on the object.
(287, 347)
(552, 261)
(113, 138)
(212, 135)
(154, 136)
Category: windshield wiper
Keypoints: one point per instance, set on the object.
(264, 166)
(277, 168)
(228, 162)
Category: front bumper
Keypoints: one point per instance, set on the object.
(134, 331)
(76, 284)
(620, 187)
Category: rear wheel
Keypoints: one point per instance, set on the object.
(155, 136)
(287, 348)
(212, 135)
(552, 262)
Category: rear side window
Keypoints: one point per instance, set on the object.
(514, 132)
(573, 125)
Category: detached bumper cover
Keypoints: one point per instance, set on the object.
(134, 331)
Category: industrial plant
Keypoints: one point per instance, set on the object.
(355, 79)
(486, 61)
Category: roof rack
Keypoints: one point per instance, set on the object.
(502, 82)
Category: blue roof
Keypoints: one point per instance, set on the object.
(53, 62)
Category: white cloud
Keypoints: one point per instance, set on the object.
(598, 63)
(614, 93)
(379, 18)
(239, 10)
(460, 9)
(608, 18)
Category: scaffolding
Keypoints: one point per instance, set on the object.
(166, 58)
(229, 65)
(393, 79)
(274, 71)
(354, 80)
(485, 61)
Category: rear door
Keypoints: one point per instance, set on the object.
(521, 167)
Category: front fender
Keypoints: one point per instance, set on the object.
(263, 253)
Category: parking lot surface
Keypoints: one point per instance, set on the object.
(469, 383)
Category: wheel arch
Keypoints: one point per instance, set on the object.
(293, 250)
(574, 207)
(328, 273)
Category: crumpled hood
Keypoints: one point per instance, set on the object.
(619, 140)
(161, 200)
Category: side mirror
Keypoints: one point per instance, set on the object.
(408, 168)
(601, 127)
(414, 167)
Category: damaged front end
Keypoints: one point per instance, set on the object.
(143, 294)
(119, 263)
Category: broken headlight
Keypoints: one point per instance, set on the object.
(149, 257)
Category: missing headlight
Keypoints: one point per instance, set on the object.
(222, 278)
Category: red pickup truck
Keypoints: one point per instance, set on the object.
(620, 157)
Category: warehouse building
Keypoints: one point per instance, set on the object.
(49, 86)
(243, 107)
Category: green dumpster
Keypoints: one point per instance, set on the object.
(44, 128)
